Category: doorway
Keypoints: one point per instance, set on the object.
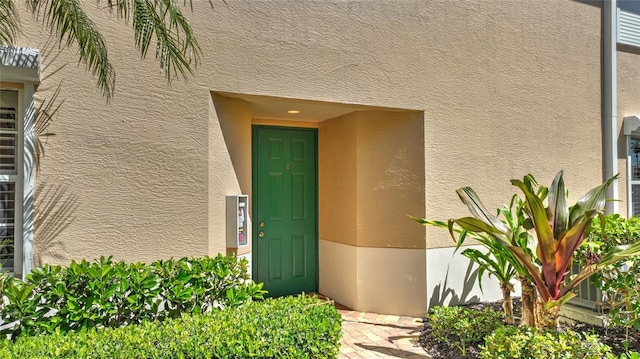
(285, 209)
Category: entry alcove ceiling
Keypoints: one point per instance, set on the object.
(275, 108)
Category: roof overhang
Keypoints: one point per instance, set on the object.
(19, 64)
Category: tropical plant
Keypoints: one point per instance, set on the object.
(519, 225)
(494, 262)
(497, 260)
(559, 230)
(160, 21)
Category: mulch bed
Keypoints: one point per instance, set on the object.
(613, 337)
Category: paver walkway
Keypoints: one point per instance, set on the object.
(370, 335)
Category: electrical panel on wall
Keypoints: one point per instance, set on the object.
(237, 221)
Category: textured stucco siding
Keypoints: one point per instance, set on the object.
(505, 89)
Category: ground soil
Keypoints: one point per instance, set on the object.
(613, 337)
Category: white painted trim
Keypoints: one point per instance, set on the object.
(19, 64)
(18, 257)
(28, 168)
(610, 88)
(22, 65)
(628, 153)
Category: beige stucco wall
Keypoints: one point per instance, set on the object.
(229, 166)
(501, 89)
(337, 180)
(531, 104)
(390, 183)
(371, 176)
(379, 280)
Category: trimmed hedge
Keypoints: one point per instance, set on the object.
(85, 295)
(292, 327)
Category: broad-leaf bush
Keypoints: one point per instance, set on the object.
(459, 326)
(292, 327)
(99, 294)
(630, 355)
(619, 282)
(528, 343)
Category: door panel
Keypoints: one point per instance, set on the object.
(285, 209)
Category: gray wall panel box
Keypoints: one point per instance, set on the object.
(237, 221)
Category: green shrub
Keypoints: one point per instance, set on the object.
(111, 294)
(460, 326)
(293, 327)
(630, 355)
(527, 343)
(620, 282)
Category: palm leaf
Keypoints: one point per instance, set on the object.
(154, 21)
(72, 25)
(472, 224)
(163, 21)
(8, 22)
(489, 263)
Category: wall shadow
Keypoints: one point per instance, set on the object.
(443, 294)
(55, 211)
(234, 118)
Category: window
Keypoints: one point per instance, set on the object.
(19, 77)
(10, 174)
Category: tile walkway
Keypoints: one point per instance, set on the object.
(370, 335)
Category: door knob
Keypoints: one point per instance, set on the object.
(261, 234)
(261, 224)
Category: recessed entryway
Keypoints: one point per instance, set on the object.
(366, 253)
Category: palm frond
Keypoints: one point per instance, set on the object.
(162, 21)
(176, 46)
(72, 25)
(8, 22)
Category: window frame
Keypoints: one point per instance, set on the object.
(630, 181)
(20, 71)
(18, 179)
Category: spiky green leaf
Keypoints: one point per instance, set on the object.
(594, 200)
(471, 199)
(558, 210)
(546, 242)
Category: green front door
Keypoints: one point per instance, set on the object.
(285, 242)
